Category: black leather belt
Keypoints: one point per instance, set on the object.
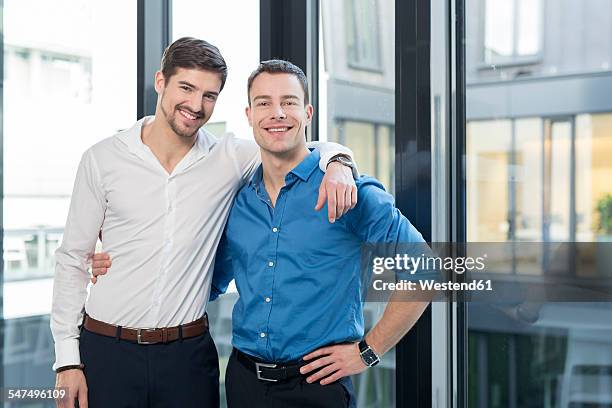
(269, 371)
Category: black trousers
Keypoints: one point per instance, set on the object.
(243, 389)
(122, 374)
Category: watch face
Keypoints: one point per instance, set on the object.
(369, 357)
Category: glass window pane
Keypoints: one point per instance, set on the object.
(593, 175)
(208, 20)
(67, 85)
(499, 28)
(487, 175)
(527, 179)
(538, 169)
(362, 34)
(529, 18)
(560, 161)
(361, 140)
(357, 109)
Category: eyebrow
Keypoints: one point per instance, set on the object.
(284, 97)
(195, 87)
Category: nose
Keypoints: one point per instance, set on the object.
(278, 112)
(195, 103)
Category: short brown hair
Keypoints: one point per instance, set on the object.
(189, 52)
(276, 66)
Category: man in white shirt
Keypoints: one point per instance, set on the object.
(159, 193)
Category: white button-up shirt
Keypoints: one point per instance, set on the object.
(161, 231)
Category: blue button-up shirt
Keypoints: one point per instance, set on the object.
(298, 275)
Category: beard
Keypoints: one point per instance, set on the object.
(173, 121)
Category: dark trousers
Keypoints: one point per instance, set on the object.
(122, 374)
(243, 389)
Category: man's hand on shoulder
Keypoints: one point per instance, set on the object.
(339, 189)
(73, 381)
(99, 265)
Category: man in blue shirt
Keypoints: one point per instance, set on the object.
(298, 329)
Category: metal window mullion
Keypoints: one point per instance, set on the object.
(459, 310)
(289, 30)
(153, 36)
(413, 179)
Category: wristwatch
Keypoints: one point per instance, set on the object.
(345, 161)
(368, 356)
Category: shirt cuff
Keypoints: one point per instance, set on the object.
(325, 156)
(67, 353)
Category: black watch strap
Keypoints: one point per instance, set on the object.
(70, 367)
(346, 161)
(363, 346)
(368, 356)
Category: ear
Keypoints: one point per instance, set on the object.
(247, 111)
(160, 82)
(309, 113)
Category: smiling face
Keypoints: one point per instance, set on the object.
(277, 113)
(187, 99)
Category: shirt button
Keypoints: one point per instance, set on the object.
(270, 263)
(274, 229)
(268, 300)
(262, 335)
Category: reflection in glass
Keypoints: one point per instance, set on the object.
(526, 180)
(499, 28)
(538, 169)
(362, 34)
(356, 94)
(67, 85)
(488, 148)
(593, 176)
(529, 26)
(557, 158)
(512, 29)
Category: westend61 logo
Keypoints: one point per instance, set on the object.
(424, 263)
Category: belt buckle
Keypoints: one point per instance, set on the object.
(258, 370)
(139, 337)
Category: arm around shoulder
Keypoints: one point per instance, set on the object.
(376, 219)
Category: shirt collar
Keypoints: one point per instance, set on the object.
(257, 178)
(132, 138)
(303, 170)
(307, 166)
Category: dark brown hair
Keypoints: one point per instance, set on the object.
(279, 67)
(190, 53)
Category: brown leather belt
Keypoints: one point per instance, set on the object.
(148, 336)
